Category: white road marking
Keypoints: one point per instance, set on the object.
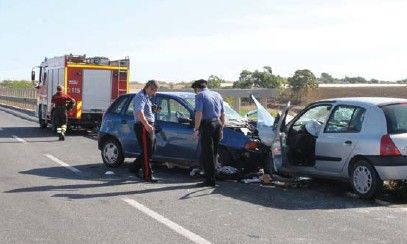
(172, 225)
(19, 139)
(58, 161)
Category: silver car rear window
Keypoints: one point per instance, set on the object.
(396, 117)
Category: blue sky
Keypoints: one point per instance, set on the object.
(182, 40)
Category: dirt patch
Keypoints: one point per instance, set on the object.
(333, 92)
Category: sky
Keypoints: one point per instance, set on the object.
(183, 40)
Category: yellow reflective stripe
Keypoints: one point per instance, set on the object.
(79, 109)
(96, 66)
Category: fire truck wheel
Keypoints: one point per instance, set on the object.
(112, 154)
(41, 121)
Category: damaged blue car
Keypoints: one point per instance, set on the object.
(242, 146)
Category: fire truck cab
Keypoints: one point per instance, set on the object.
(93, 82)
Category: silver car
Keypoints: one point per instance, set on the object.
(363, 140)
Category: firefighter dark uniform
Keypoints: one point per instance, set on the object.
(145, 139)
(62, 103)
(210, 103)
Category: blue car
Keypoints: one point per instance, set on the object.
(241, 146)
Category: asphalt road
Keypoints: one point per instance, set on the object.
(58, 192)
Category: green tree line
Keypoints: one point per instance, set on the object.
(16, 84)
(299, 84)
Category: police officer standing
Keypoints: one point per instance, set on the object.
(62, 103)
(144, 128)
(209, 122)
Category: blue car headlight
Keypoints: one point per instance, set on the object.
(252, 145)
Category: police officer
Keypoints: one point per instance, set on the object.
(144, 129)
(209, 122)
(62, 103)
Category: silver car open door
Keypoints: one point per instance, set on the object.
(278, 143)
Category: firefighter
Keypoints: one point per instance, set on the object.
(62, 104)
(209, 122)
(144, 129)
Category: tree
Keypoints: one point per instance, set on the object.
(353, 80)
(300, 83)
(326, 78)
(245, 80)
(214, 82)
(259, 79)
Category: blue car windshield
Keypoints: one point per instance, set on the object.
(230, 113)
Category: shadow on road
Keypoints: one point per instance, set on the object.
(318, 194)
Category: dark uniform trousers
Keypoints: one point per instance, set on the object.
(210, 135)
(146, 142)
(61, 118)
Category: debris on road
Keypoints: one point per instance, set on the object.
(252, 180)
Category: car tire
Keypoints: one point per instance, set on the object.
(41, 121)
(112, 154)
(365, 180)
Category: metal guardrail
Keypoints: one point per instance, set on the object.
(20, 98)
(26, 98)
(262, 94)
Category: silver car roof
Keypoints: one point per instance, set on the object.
(367, 100)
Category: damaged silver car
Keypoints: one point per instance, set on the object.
(362, 140)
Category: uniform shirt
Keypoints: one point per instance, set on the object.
(210, 103)
(143, 103)
(60, 99)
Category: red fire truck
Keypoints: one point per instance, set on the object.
(93, 82)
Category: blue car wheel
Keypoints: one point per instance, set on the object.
(112, 154)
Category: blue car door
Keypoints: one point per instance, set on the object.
(174, 132)
(111, 119)
(129, 140)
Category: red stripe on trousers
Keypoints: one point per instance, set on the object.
(144, 140)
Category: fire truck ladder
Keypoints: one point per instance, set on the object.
(119, 72)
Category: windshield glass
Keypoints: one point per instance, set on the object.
(396, 117)
(231, 114)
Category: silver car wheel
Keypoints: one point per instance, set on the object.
(362, 179)
(110, 153)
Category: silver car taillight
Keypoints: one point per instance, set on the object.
(387, 147)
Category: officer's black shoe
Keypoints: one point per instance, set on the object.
(205, 184)
(151, 180)
(61, 137)
(210, 183)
